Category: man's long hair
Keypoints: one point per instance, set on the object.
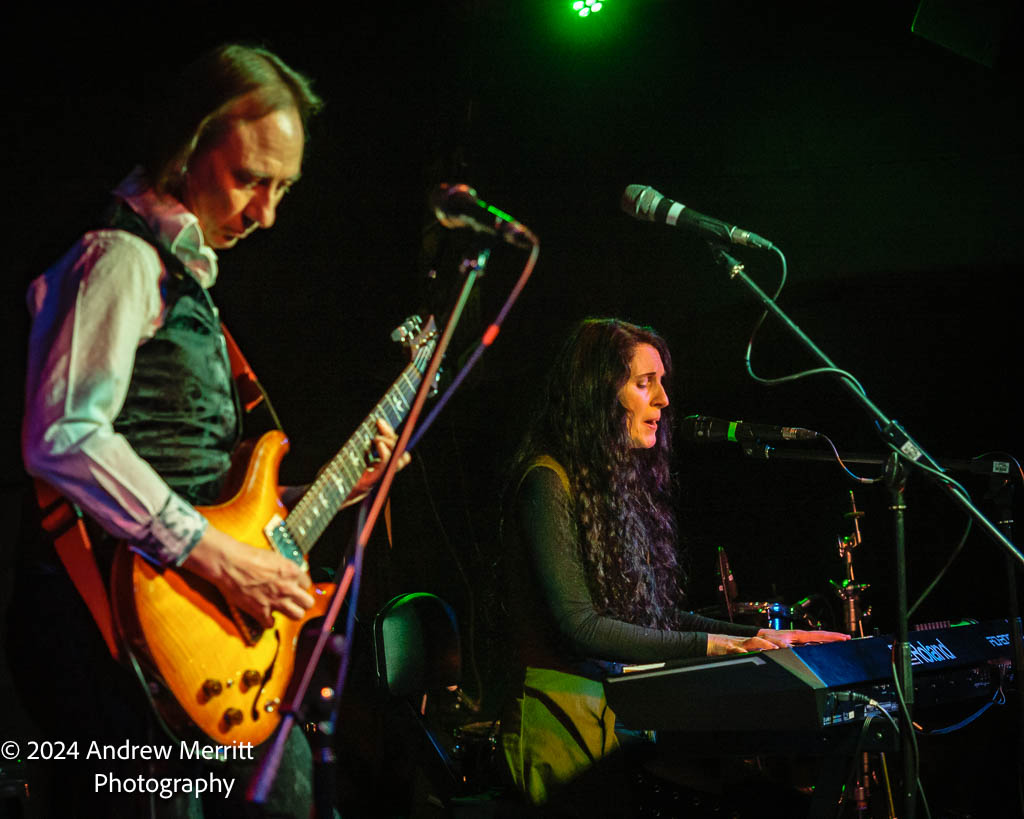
(204, 100)
(620, 496)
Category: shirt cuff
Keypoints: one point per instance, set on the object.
(173, 533)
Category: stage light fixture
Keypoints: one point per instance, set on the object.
(584, 8)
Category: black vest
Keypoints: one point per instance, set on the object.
(181, 414)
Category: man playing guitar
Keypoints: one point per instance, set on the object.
(131, 411)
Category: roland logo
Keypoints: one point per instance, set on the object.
(926, 653)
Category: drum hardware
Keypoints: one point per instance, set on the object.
(849, 590)
(777, 615)
(773, 614)
(726, 583)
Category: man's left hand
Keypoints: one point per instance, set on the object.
(383, 445)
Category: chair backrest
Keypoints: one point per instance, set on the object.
(417, 646)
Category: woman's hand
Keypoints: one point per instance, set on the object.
(721, 644)
(798, 637)
(767, 639)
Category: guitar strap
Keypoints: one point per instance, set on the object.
(250, 391)
(63, 521)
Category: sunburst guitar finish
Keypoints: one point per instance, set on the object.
(211, 666)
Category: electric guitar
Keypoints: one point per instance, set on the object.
(207, 664)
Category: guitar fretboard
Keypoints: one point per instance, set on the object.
(321, 502)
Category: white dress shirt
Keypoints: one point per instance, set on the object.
(90, 312)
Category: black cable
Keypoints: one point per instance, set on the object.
(794, 376)
(858, 750)
(942, 572)
(909, 738)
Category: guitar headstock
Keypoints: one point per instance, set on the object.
(418, 338)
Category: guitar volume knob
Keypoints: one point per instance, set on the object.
(251, 678)
(232, 716)
(211, 688)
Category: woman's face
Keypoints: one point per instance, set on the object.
(644, 396)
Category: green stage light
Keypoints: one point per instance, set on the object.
(584, 8)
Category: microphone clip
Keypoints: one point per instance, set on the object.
(757, 449)
(727, 260)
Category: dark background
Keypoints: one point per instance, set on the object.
(886, 164)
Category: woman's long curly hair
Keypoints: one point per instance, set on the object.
(621, 496)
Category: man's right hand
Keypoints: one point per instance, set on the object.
(258, 581)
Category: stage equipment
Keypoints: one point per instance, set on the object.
(645, 203)
(806, 688)
(702, 429)
(584, 8)
(821, 700)
(766, 614)
(472, 267)
(206, 664)
(905, 452)
(457, 206)
(848, 589)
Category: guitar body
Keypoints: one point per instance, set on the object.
(210, 666)
(227, 676)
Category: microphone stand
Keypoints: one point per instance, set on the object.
(905, 451)
(263, 779)
(1001, 494)
(891, 432)
(896, 482)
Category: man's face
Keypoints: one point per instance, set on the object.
(234, 186)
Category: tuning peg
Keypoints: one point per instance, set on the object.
(407, 329)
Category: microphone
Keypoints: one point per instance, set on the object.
(457, 206)
(702, 429)
(645, 203)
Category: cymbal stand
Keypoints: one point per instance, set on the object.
(849, 591)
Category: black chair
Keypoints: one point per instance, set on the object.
(418, 656)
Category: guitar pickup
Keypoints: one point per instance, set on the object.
(281, 539)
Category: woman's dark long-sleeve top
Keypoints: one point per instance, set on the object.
(554, 615)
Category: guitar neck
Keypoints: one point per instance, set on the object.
(321, 502)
